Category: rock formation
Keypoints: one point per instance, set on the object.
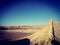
(46, 36)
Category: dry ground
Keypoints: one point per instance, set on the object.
(12, 35)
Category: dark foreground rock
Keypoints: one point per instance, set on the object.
(55, 42)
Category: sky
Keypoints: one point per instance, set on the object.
(28, 12)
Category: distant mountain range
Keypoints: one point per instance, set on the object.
(19, 27)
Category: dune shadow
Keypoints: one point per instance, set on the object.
(25, 41)
(55, 42)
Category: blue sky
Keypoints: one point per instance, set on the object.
(16, 13)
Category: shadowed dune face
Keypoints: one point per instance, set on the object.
(55, 42)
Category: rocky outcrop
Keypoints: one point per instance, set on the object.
(46, 36)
